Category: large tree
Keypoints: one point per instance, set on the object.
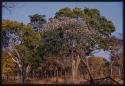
(21, 41)
(80, 31)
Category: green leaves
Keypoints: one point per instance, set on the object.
(26, 28)
(52, 43)
(32, 39)
(9, 67)
(65, 12)
(77, 12)
(37, 17)
(92, 16)
(10, 25)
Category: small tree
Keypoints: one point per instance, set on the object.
(36, 21)
(115, 51)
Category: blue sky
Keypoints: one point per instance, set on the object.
(102, 53)
(112, 11)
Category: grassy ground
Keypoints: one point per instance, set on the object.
(54, 80)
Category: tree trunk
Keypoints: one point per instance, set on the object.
(75, 65)
(22, 75)
(50, 73)
(54, 73)
(111, 69)
(7, 77)
(61, 73)
(119, 71)
(57, 73)
(73, 71)
(27, 71)
(33, 74)
(88, 70)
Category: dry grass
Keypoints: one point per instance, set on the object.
(54, 80)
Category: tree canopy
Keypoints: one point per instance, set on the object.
(66, 39)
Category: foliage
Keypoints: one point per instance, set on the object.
(37, 21)
(9, 67)
(37, 17)
(7, 25)
(72, 33)
(92, 16)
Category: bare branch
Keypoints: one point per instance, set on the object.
(14, 59)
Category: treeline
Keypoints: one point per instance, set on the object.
(61, 47)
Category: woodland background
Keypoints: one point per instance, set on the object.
(59, 51)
